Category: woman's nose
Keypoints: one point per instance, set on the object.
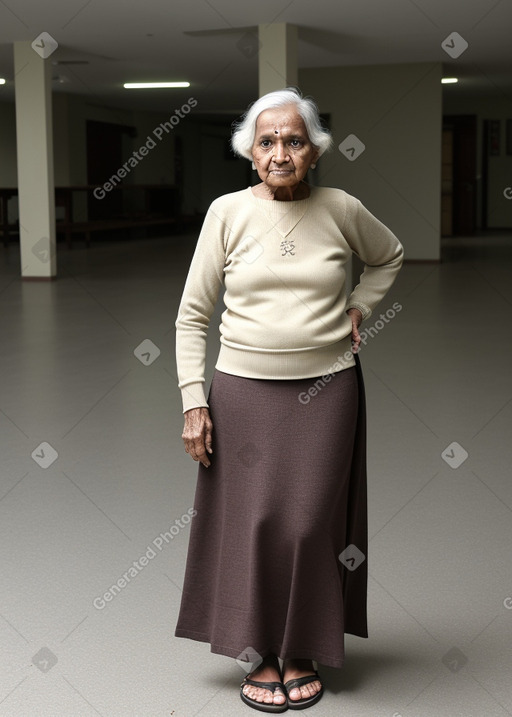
(280, 154)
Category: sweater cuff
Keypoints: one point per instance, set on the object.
(192, 396)
(365, 310)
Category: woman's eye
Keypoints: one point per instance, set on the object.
(265, 143)
(295, 143)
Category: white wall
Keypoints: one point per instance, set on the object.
(396, 111)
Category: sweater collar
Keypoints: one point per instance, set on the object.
(284, 216)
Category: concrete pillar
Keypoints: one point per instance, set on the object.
(34, 140)
(278, 57)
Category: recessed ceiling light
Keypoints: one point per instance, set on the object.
(449, 80)
(152, 85)
(2, 81)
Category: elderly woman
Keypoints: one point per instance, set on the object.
(276, 563)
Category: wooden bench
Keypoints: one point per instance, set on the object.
(140, 219)
(95, 225)
(166, 196)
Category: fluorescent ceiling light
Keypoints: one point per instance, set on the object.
(2, 81)
(151, 85)
(449, 80)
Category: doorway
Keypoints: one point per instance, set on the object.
(459, 187)
(104, 157)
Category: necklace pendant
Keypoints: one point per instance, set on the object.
(288, 248)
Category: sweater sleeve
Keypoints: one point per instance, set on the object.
(200, 294)
(378, 248)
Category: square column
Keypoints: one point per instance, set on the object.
(278, 61)
(34, 140)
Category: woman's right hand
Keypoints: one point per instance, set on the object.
(197, 434)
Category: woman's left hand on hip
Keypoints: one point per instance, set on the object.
(356, 318)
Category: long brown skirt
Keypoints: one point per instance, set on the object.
(285, 496)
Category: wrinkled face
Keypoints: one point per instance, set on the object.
(282, 151)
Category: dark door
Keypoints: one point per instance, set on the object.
(104, 158)
(463, 131)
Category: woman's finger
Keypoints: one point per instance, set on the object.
(356, 337)
(208, 436)
(197, 452)
(197, 435)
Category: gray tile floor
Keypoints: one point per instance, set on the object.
(94, 478)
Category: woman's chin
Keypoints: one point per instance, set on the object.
(282, 180)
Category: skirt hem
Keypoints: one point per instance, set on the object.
(321, 658)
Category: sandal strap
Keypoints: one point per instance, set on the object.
(300, 681)
(272, 686)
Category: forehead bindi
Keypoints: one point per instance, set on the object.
(280, 122)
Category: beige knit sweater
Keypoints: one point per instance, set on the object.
(283, 268)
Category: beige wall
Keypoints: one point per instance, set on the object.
(396, 112)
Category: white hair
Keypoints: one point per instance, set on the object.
(244, 130)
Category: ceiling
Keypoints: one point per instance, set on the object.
(213, 44)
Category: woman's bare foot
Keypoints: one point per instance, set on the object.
(292, 669)
(268, 671)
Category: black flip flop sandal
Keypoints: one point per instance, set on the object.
(263, 706)
(304, 701)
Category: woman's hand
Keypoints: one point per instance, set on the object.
(197, 434)
(356, 317)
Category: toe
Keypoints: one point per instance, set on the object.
(259, 694)
(279, 697)
(294, 694)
